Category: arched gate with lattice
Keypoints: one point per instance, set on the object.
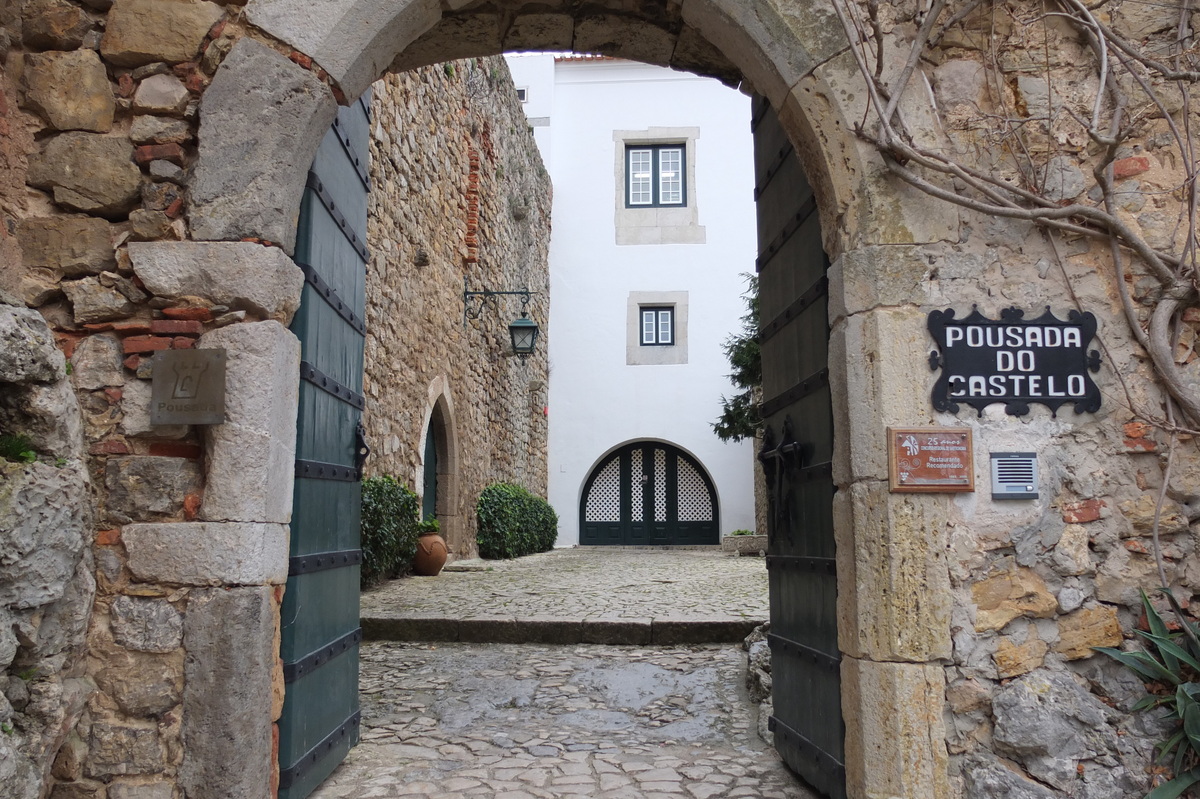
(649, 493)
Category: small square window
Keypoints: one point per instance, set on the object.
(523, 94)
(655, 175)
(658, 326)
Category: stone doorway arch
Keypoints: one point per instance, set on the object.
(441, 440)
(273, 98)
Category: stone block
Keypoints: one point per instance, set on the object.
(145, 624)
(96, 363)
(251, 458)
(144, 31)
(229, 636)
(92, 301)
(744, 544)
(870, 277)
(207, 553)
(460, 36)
(959, 82)
(693, 53)
(88, 172)
(68, 763)
(148, 129)
(1071, 554)
(1013, 659)
(987, 777)
(238, 274)
(534, 31)
(885, 357)
(53, 25)
(1084, 629)
(353, 41)
(895, 738)
(145, 488)
(893, 576)
(1048, 723)
(1141, 512)
(143, 685)
(1020, 592)
(125, 749)
(28, 353)
(70, 245)
(161, 94)
(622, 37)
(273, 114)
(69, 90)
(42, 531)
(135, 414)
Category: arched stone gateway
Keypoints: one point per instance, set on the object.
(939, 596)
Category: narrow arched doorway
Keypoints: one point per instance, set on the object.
(439, 476)
(649, 492)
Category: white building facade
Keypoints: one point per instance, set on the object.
(653, 234)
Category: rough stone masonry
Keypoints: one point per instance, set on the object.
(152, 155)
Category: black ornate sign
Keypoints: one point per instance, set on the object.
(1014, 361)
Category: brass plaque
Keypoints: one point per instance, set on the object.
(930, 459)
(188, 387)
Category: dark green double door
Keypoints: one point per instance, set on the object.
(797, 457)
(648, 494)
(320, 626)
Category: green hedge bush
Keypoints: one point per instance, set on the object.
(389, 528)
(514, 522)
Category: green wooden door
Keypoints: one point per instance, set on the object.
(648, 494)
(797, 456)
(320, 630)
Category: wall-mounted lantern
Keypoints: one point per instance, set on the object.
(523, 331)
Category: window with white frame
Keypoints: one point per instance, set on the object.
(658, 326)
(655, 175)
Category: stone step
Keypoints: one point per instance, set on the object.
(554, 630)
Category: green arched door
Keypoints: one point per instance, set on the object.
(648, 493)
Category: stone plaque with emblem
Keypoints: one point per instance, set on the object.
(188, 387)
(930, 459)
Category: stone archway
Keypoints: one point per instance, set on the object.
(272, 99)
(274, 108)
(440, 425)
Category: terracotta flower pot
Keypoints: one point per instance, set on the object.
(431, 555)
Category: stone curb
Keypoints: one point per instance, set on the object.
(552, 630)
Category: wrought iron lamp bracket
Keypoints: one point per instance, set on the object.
(476, 302)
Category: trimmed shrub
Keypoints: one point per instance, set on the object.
(514, 522)
(389, 528)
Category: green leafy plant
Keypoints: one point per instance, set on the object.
(427, 527)
(389, 528)
(1170, 667)
(743, 532)
(740, 416)
(514, 522)
(17, 448)
(448, 68)
(7, 728)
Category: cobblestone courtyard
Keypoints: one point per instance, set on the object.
(520, 721)
(538, 721)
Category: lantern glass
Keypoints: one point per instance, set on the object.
(524, 332)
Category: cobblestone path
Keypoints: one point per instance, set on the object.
(520, 721)
(586, 583)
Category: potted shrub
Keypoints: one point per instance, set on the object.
(744, 542)
(431, 549)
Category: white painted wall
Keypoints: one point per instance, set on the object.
(597, 401)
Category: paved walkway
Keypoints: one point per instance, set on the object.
(600, 595)
(468, 699)
(507, 721)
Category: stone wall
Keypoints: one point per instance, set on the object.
(46, 584)
(459, 194)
